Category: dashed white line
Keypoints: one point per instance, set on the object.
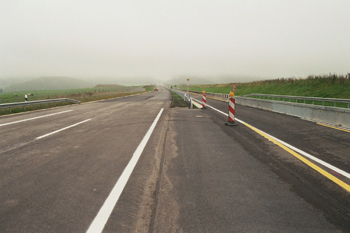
(29, 119)
(103, 215)
(62, 129)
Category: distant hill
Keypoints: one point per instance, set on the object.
(48, 83)
(125, 81)
(182, 79)
(108, 85)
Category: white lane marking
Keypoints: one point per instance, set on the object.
(310, 156)
(103, 215)
(29, 119)
(62, 129)
(344, 173)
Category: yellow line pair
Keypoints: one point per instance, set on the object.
(334, 127)
(307, 162)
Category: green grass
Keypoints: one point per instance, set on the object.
(83, 95)
(327, 86)
(178, 101)
(32, 108)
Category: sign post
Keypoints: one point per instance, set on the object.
(188, 85)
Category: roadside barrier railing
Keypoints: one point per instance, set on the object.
(331, 102)
(184, 95)
(344, 103)
(28, 103)
(321, 110)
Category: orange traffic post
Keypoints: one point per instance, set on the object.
(204, 100)
(231, 111)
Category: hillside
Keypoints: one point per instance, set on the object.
(182, 79)
(326, 86)
(48, 83)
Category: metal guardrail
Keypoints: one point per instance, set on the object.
(184, 95)
(293, 99)
(24, 104)
(220, 95)
(303, 99)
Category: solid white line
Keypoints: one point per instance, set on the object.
(29, 119)
(103, 215)
(344, 173)
(311, 157)
(62, 129)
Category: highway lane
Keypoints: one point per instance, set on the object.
(59, 183)
(327, 144)
(28, 129)
(212, 181)
(195, 174)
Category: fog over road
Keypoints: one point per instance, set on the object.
(59, 166)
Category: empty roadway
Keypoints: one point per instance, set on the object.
(194, 175)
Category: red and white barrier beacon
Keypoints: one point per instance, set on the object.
(204, 100)
(231, 109)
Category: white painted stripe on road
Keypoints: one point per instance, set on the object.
(103, 215)
(29, 119)
(344, 173)
(62, 129)
(310, 156)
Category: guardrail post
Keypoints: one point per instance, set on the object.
(231, 111)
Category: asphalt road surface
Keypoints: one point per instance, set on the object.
(133, 164)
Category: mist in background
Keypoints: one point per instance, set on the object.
(140, 42)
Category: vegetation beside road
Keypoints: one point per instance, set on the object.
(98, 92)
(178, 101)
(326, 86)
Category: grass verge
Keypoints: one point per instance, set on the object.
(326, 86)
(83, 95)
(178, 101)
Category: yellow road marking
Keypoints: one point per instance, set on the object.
(334, 127)
(301, 158)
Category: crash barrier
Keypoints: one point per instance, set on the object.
(317, 113)
(309, 108)
(80, 96)
(24, 104)
(184, 95)
(305, 100)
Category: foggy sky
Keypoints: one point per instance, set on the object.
(114, 38)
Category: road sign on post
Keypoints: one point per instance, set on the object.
(188, 85)
(233, 87)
